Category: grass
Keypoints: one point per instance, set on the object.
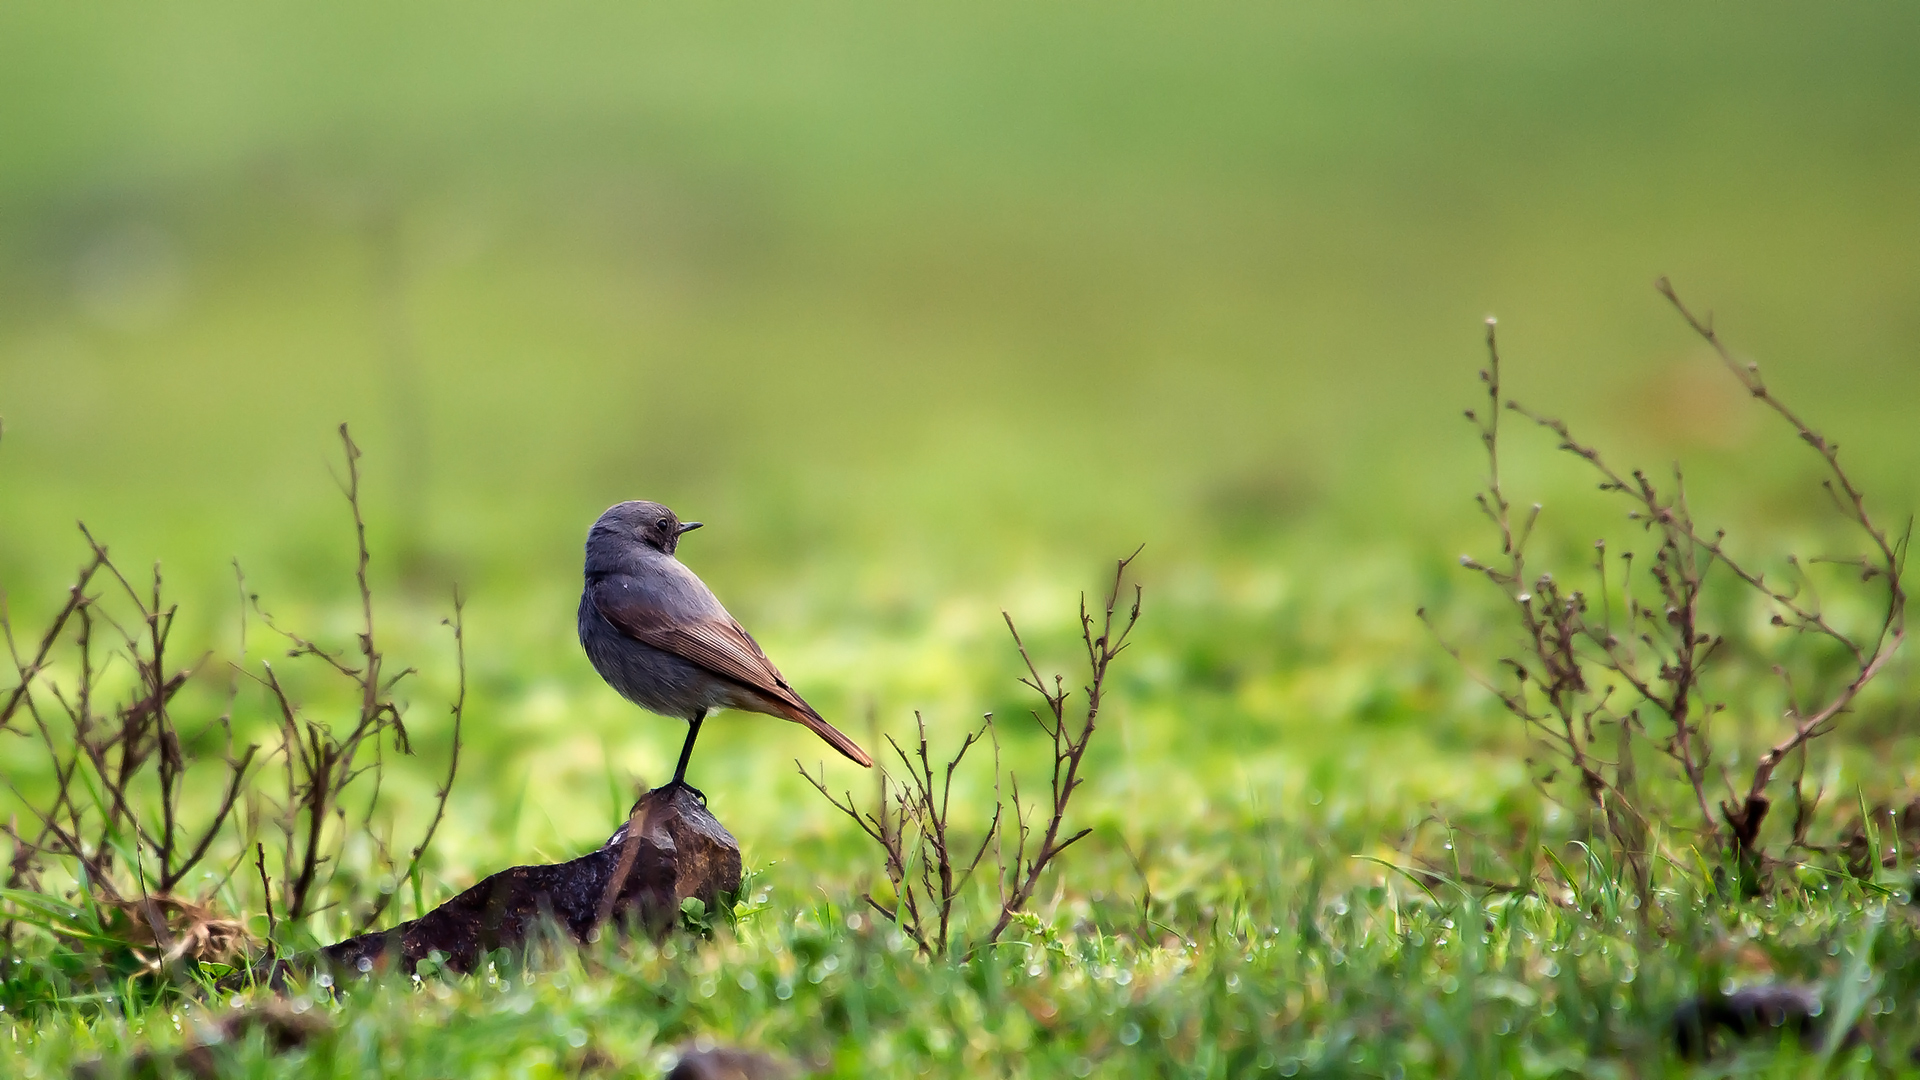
(1319, 908)
(1269, 962)
(929, 316)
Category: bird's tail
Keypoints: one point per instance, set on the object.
(814, 723)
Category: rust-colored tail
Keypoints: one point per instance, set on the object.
(814, 723)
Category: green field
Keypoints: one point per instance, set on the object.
(930, 314)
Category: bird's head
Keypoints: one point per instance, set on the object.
(647, 522)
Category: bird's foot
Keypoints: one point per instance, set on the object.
(684, 786)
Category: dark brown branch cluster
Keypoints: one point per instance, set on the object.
(1600, 671)
(118, 799)
(928, 862)
(911, 821)
(319, 762)
(117, 768)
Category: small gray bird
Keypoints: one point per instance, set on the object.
(658, 635)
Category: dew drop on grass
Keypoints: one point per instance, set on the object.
(1129, 1033)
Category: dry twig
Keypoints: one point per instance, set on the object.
(1568, 677)
(927, 863)
(130, 804)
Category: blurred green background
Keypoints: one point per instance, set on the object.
(927, 312)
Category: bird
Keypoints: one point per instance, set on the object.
(658, 635)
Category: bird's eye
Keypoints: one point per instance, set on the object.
(664, 524)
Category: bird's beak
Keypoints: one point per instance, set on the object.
(689, 526)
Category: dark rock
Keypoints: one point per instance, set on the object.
(285, 1026)
(678, 851)
(1770, 1009)
(724, 1063)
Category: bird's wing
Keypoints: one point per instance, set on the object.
(718, 644)
(722, 646)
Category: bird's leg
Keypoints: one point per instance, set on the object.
(686, 754)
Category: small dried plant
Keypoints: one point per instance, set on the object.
(319, 763)
(1598, 672)
(119, 770)
(927, 861)
(121, 807)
